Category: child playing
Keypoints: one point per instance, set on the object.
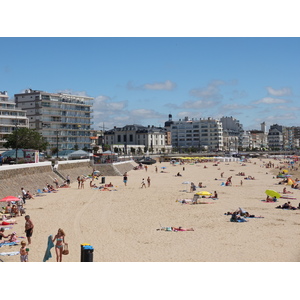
(23, 252)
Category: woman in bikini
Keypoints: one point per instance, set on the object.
(60, 241)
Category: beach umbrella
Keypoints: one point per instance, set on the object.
(204, 193)
(163, 167)
(9, 198)
(272, 193)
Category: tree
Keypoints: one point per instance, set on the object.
(25, 138)
(95, 149)
(106, 147)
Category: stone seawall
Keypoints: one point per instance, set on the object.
(74, 169)
(31, 179)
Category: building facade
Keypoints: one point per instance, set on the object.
(276, 137)
(11, 118)
(63, 119)
(232, 134)
(197, 134)
(137, 137)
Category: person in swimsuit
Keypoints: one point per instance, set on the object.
(125, 178)
(28, 228)
(23, 252)
(2, 235)
(60, 241)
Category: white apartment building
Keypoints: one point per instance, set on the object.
(63, 119)
(137, 137)
(11, 118)
(197, 133)
(233, 133)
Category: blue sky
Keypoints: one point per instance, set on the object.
(142, 80)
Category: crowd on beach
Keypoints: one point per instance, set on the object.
(15, 209)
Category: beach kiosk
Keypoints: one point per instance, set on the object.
(31, 156)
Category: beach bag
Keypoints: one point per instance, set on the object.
(66, 250)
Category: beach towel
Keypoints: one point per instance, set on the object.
(269, 201)
(8, 244)
(10, 253)
(6, 227)
(288, 197)
(48, 250)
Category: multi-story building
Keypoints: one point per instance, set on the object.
(197, 133)
(232, 133)
(63, 119)
(11, 118)
(137, 137)
(168, 133)
(259, 138)
(275, 137)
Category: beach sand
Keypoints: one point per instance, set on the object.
(121, 225)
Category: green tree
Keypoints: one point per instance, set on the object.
(132, 149)
(25, 138)
(95, 149)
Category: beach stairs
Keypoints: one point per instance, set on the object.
(59, 174)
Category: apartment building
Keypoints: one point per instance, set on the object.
(197, 133)
(11, 118)
(232, 133)
(63, 119)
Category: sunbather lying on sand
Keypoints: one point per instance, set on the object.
(287, 206)
(175, 229)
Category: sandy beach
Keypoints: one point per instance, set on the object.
(122, 225)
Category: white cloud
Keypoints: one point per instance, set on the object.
(115, 113)
(210, 92)
(278, 93)
(200, 104)
(270, 100)
(168, 85)
(236, 106)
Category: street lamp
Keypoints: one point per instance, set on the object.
(57, 144)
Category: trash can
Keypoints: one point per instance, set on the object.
(81, 250)
(87, 253)
(103, 180)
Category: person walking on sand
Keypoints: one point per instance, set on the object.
(125, 178)
(156, 169)
(143, 183)
(60, 242)
(82, 180)
(28, 228)
(68, 180)
(79, 181)
(149, 181)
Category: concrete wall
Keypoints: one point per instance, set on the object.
(29, 176)
(36, 176)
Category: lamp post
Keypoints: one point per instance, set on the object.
(17, 128)
(57, 144)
